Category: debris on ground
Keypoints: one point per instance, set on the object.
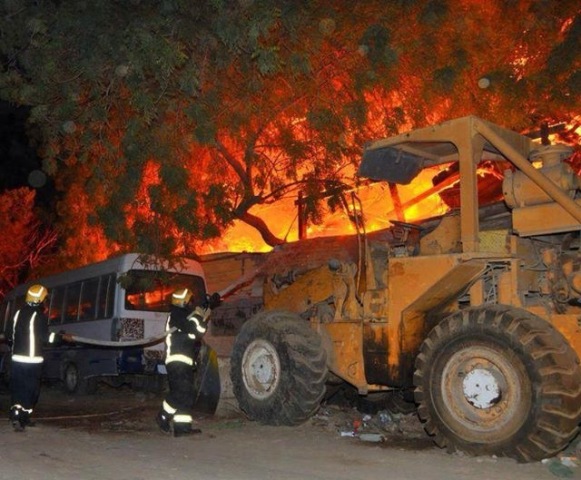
(564, 464)
(371, 437)
(377, 428)
(557, 468)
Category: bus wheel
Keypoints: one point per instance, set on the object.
(498, 380)
(278, 369)
(75, 384)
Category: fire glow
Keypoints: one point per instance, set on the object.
(420, 200)
(377, 209)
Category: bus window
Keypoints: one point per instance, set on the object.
(150, 291)
(89, 299)
(4, 315)
(11, 307)
(56, 306)
(72, 297)
(106, 297)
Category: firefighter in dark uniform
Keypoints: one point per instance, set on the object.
(182, 346)
(28, 335)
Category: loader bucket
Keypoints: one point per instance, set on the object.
(207, 388)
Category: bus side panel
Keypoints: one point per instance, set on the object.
(89, 361)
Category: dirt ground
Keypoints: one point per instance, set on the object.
(112, 435)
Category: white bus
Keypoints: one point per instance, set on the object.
(120, 299)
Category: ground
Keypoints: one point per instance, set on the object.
(112, 435)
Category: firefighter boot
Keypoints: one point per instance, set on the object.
(17, 418)
(184, 429)
(163, 422)
(25, 419)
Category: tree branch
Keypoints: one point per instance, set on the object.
(259, 224)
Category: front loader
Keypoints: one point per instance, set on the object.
(474, 315)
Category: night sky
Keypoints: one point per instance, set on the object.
(18, 158)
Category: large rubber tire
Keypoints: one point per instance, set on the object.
(278, 369)
(498, 380)
(75, 384)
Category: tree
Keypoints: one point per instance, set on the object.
(27, 242)
(173, 118)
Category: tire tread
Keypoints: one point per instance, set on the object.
(556, 365)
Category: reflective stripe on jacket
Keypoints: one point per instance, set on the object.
(181, 344)
(29, 333)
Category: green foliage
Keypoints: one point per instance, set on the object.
(201, 114)
(356, 111)
(434, 12)
(300, 65)
(445, 79)
(574, 82)
(324, 118)
(375, 42)
(564, 55)
(217, 197)
(268, 60)
(252, 100)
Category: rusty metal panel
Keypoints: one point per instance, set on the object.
(344, 342)
(442, 292)
(417, 285)
(543, 219)
(375, 348)
(314, 286)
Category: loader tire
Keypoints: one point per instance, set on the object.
(278, 369)
(498, 380)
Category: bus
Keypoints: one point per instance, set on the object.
(119, 299)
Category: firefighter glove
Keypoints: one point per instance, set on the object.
(202, 313)
(57, 339)
(213, 301)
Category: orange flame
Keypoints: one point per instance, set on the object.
(377, 209)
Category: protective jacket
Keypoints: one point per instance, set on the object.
(181, 347)
(29, 333)
(191, 327)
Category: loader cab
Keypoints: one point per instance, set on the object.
(538, 205)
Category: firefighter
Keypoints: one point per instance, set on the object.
(182, 346)
(28, 335)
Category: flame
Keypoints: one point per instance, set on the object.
(420, 200)
(377, 211)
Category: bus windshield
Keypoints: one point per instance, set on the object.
(148, 290)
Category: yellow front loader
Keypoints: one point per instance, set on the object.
(476, 315)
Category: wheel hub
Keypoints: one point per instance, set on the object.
(71, 378)
(261, 369)
(481, 388)
(484, 391)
